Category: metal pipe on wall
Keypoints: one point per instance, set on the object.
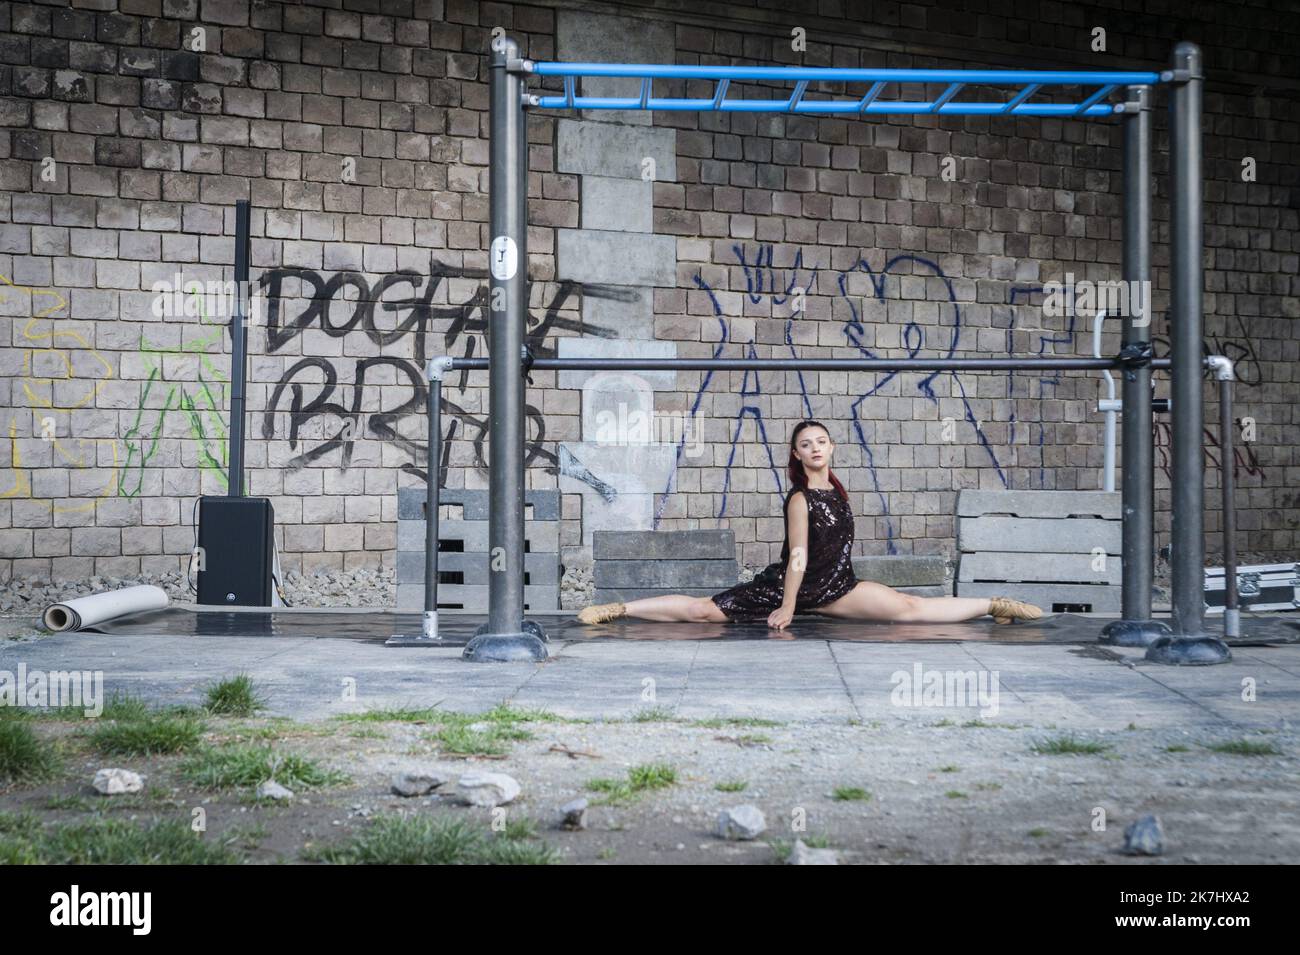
(238, 351)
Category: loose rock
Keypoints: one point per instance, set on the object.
(487, 789)
(273, 790)
(418, 782)
(573, 814)
(741, 823)
(1145, 837)
(802, 855)
(115, 782)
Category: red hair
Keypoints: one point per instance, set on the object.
(798, 477)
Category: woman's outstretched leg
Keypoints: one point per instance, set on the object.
(670, 608)
(872, 601)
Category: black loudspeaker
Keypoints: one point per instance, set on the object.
(236, 535)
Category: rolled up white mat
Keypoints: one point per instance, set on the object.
(88, 611)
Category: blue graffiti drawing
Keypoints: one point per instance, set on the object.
(761, 280)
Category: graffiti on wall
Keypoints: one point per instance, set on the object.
(311, 392)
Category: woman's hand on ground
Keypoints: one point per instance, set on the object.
(780, 618)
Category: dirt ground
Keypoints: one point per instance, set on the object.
(927, 790)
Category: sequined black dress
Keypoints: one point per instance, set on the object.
(828, 576)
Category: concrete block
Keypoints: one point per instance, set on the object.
(471, 537)
(666, 573)
(1060, 568)
(618, 312)
(605, 595)
(617, 151)
(901, 571)
(472, 568)
(1101, 599)
(664, 545)
(586, 37)
(616, 258)
(473, 598)
(1101, 504)
(545, 505)
(617, 205)
(1038, 535)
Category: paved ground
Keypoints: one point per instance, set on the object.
(950, 778)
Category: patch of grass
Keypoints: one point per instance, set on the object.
(948, 769)
(24, 757)
(151, 736)
(640, 779)
(1178, 748)
(234, 696)
(429, 714)
(719, 722)
(783, 847)
(1131, 726)
(1069, 745)
(463, 741)
(420, 840)
(123, 707)
(113, 842)
(1038, 833)
(955, 794)
(70, 803)
(850, 794)
(366, 734)
(983, 725)
(1245, 747)
(229, 767)
(753, 739)
(12, 714)
(609, 852)
(731, 786)
(988, 787)
(654, 714)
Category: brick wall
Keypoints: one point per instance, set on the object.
(358, 131)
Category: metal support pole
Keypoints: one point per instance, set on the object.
(1191, 645)
(238, 352)
(1136, 628)
(815, 364)
(428, 636)
(1228, 484)
(506, 636)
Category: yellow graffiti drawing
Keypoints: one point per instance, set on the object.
(59, 345)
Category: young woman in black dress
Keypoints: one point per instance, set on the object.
(815, 572)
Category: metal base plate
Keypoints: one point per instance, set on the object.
(1133, 633)
(527, 646)
(1189, 651)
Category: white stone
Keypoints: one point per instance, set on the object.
(487, 789)
(273, 790)
(802, 855)
(115, 782)
(741, 823)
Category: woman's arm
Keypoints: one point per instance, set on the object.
(796, 526)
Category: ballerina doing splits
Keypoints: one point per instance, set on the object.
(815, 572)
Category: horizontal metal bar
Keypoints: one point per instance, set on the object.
(835, 74)
(813, 364)
(675, 105)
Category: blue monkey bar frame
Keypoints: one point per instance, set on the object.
(870, 103)
(508, 636)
